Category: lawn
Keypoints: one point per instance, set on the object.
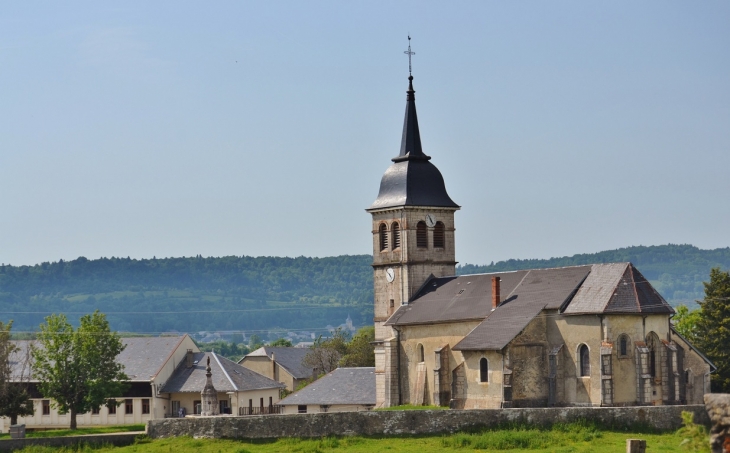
(81, 431)
(562, 439)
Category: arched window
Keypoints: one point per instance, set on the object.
(652, 342)
(395, 231)
(421, 235)
(383, 237)
(585, 361)
(483, 370)
(439, 240)
(421, 356)
(623, 345)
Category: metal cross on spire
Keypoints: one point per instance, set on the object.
(409, 53)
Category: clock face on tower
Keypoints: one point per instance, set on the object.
(390, 274)
(430, 220)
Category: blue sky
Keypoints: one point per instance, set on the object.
(262, 128)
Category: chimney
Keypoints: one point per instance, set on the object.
(495, 292)
(273, 366)
(189, 358)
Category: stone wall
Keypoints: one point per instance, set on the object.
(117, 439)
(664, 418)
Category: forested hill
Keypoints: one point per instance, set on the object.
(257, 294)
(677, 271)
(193, 294)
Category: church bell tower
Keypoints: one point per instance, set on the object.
(413, 238)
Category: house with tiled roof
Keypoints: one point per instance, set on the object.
(593, 335)
(341, 390)
(282, 364)
(240, 390)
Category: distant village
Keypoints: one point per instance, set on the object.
(299, 339)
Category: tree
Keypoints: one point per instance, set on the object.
(360, 351)
(282, 342)
(254, 342)
(77, 369)
(325, 354)
(14, 398)
(713, 327)
(685, 322)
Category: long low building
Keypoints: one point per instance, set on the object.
(166, 376)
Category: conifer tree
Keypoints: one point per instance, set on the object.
(713, 328)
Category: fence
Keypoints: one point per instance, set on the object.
(261, 410)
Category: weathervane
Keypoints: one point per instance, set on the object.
(409, 53)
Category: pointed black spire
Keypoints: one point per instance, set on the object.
(410, 145)
(412, 180)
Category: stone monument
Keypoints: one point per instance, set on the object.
(209, 395)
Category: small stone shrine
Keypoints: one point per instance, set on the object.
(209, 395)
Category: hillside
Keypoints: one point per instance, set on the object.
(261, 293)
(193, 294)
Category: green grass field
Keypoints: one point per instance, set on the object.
(80, 431)
(562, 439)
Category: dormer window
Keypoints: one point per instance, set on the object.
(395, 231)
(421, 235)
(383, 233)
(439, 240)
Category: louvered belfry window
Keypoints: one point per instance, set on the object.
(383, 232)
(438, 235)
(421, 235)
(395, 229)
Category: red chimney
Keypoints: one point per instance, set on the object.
(495, 292)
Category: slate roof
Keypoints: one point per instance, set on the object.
(469, 297)
(341, 386)
(412, 180)
(288, 358)
(617, 288)
(143, 357)
(593, 289)
(228, 376)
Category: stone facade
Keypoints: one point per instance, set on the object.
(541, 366)
(411, 266)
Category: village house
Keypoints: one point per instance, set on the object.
(240, 391)
(593, 335)
(280, 364)
(341, 390)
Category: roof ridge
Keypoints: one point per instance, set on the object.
(169, 356)
(513, 289)
(537, 269)
(215, 356)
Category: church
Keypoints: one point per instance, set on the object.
(594, 335)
